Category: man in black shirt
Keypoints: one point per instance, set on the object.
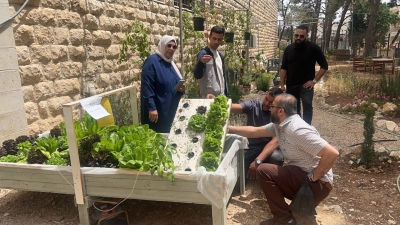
(298, 70)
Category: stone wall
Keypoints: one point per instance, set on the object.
(63, 46)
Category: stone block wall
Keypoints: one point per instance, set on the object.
(63, 46)
(264, 23)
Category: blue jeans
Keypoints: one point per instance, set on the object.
(306, 96)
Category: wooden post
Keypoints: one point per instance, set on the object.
(80, 193)
(134, 105)
(73, 154)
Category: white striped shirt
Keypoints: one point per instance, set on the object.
(300, 143)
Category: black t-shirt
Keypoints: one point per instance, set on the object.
(299, 62)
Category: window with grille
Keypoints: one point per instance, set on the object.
(186, 4)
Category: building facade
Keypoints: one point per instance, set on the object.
(64, 46)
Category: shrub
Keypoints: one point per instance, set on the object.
(390, 86)
(263, 82)
(236, 92)
(367, 148)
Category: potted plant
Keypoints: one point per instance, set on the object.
(198, 23)
(246, 79)
(277, 81)
(263, 81)
(247, 36)
(229, 37)
(235, 91)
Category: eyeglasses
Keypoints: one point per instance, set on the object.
(299, 35)
(172, 46)
(272, 106)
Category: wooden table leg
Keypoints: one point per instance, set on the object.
(241, 170)
(219, 215)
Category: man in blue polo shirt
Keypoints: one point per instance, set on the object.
(265, 149)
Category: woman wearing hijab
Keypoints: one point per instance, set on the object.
(159, 99)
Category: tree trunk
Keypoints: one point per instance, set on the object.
(344, 12)
(374, 6)
(328, 32)
(314, 26)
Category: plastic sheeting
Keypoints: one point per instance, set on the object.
(214, 185)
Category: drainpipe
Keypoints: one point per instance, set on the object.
(181, 39)
(11, 95)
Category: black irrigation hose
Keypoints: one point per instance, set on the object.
(378, 128)
(360, 122)
(373, 141)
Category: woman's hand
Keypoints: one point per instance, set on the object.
(210, 96)
(153, 116)
(181, 88)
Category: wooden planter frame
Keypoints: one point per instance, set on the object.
(120, 183)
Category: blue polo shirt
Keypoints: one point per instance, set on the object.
(256, 117)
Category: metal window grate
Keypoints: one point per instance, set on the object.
(186, 4)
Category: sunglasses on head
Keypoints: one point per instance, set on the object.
(299, 35)
(171, 45)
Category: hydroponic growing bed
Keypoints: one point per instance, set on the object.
(88, 183)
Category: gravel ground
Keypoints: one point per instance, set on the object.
(347, 204)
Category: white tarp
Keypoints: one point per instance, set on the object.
(214, 185)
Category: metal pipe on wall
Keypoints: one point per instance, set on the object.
(181, 38)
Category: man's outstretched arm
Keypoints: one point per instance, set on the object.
(249, 131)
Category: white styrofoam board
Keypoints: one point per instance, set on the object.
(184, 140)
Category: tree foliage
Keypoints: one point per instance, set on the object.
(361, 27)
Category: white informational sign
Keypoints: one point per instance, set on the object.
(94, 108)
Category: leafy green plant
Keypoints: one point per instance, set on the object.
(58, 158)
(216, 118)
(263, 82)
(136, 40)
(147, 151)
(212, 144)
(390, 86)
(197, 122)
(9, 158)
(209, 160)
(236, 92)
(44, 150)
(247, 77)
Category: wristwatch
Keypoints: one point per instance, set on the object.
(314, 81)
(258, 161)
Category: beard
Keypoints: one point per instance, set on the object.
(274, 119)
(300, 44)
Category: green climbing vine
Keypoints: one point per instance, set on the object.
(136, 41)
(232, 20)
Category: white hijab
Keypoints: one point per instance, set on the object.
(161, 49)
